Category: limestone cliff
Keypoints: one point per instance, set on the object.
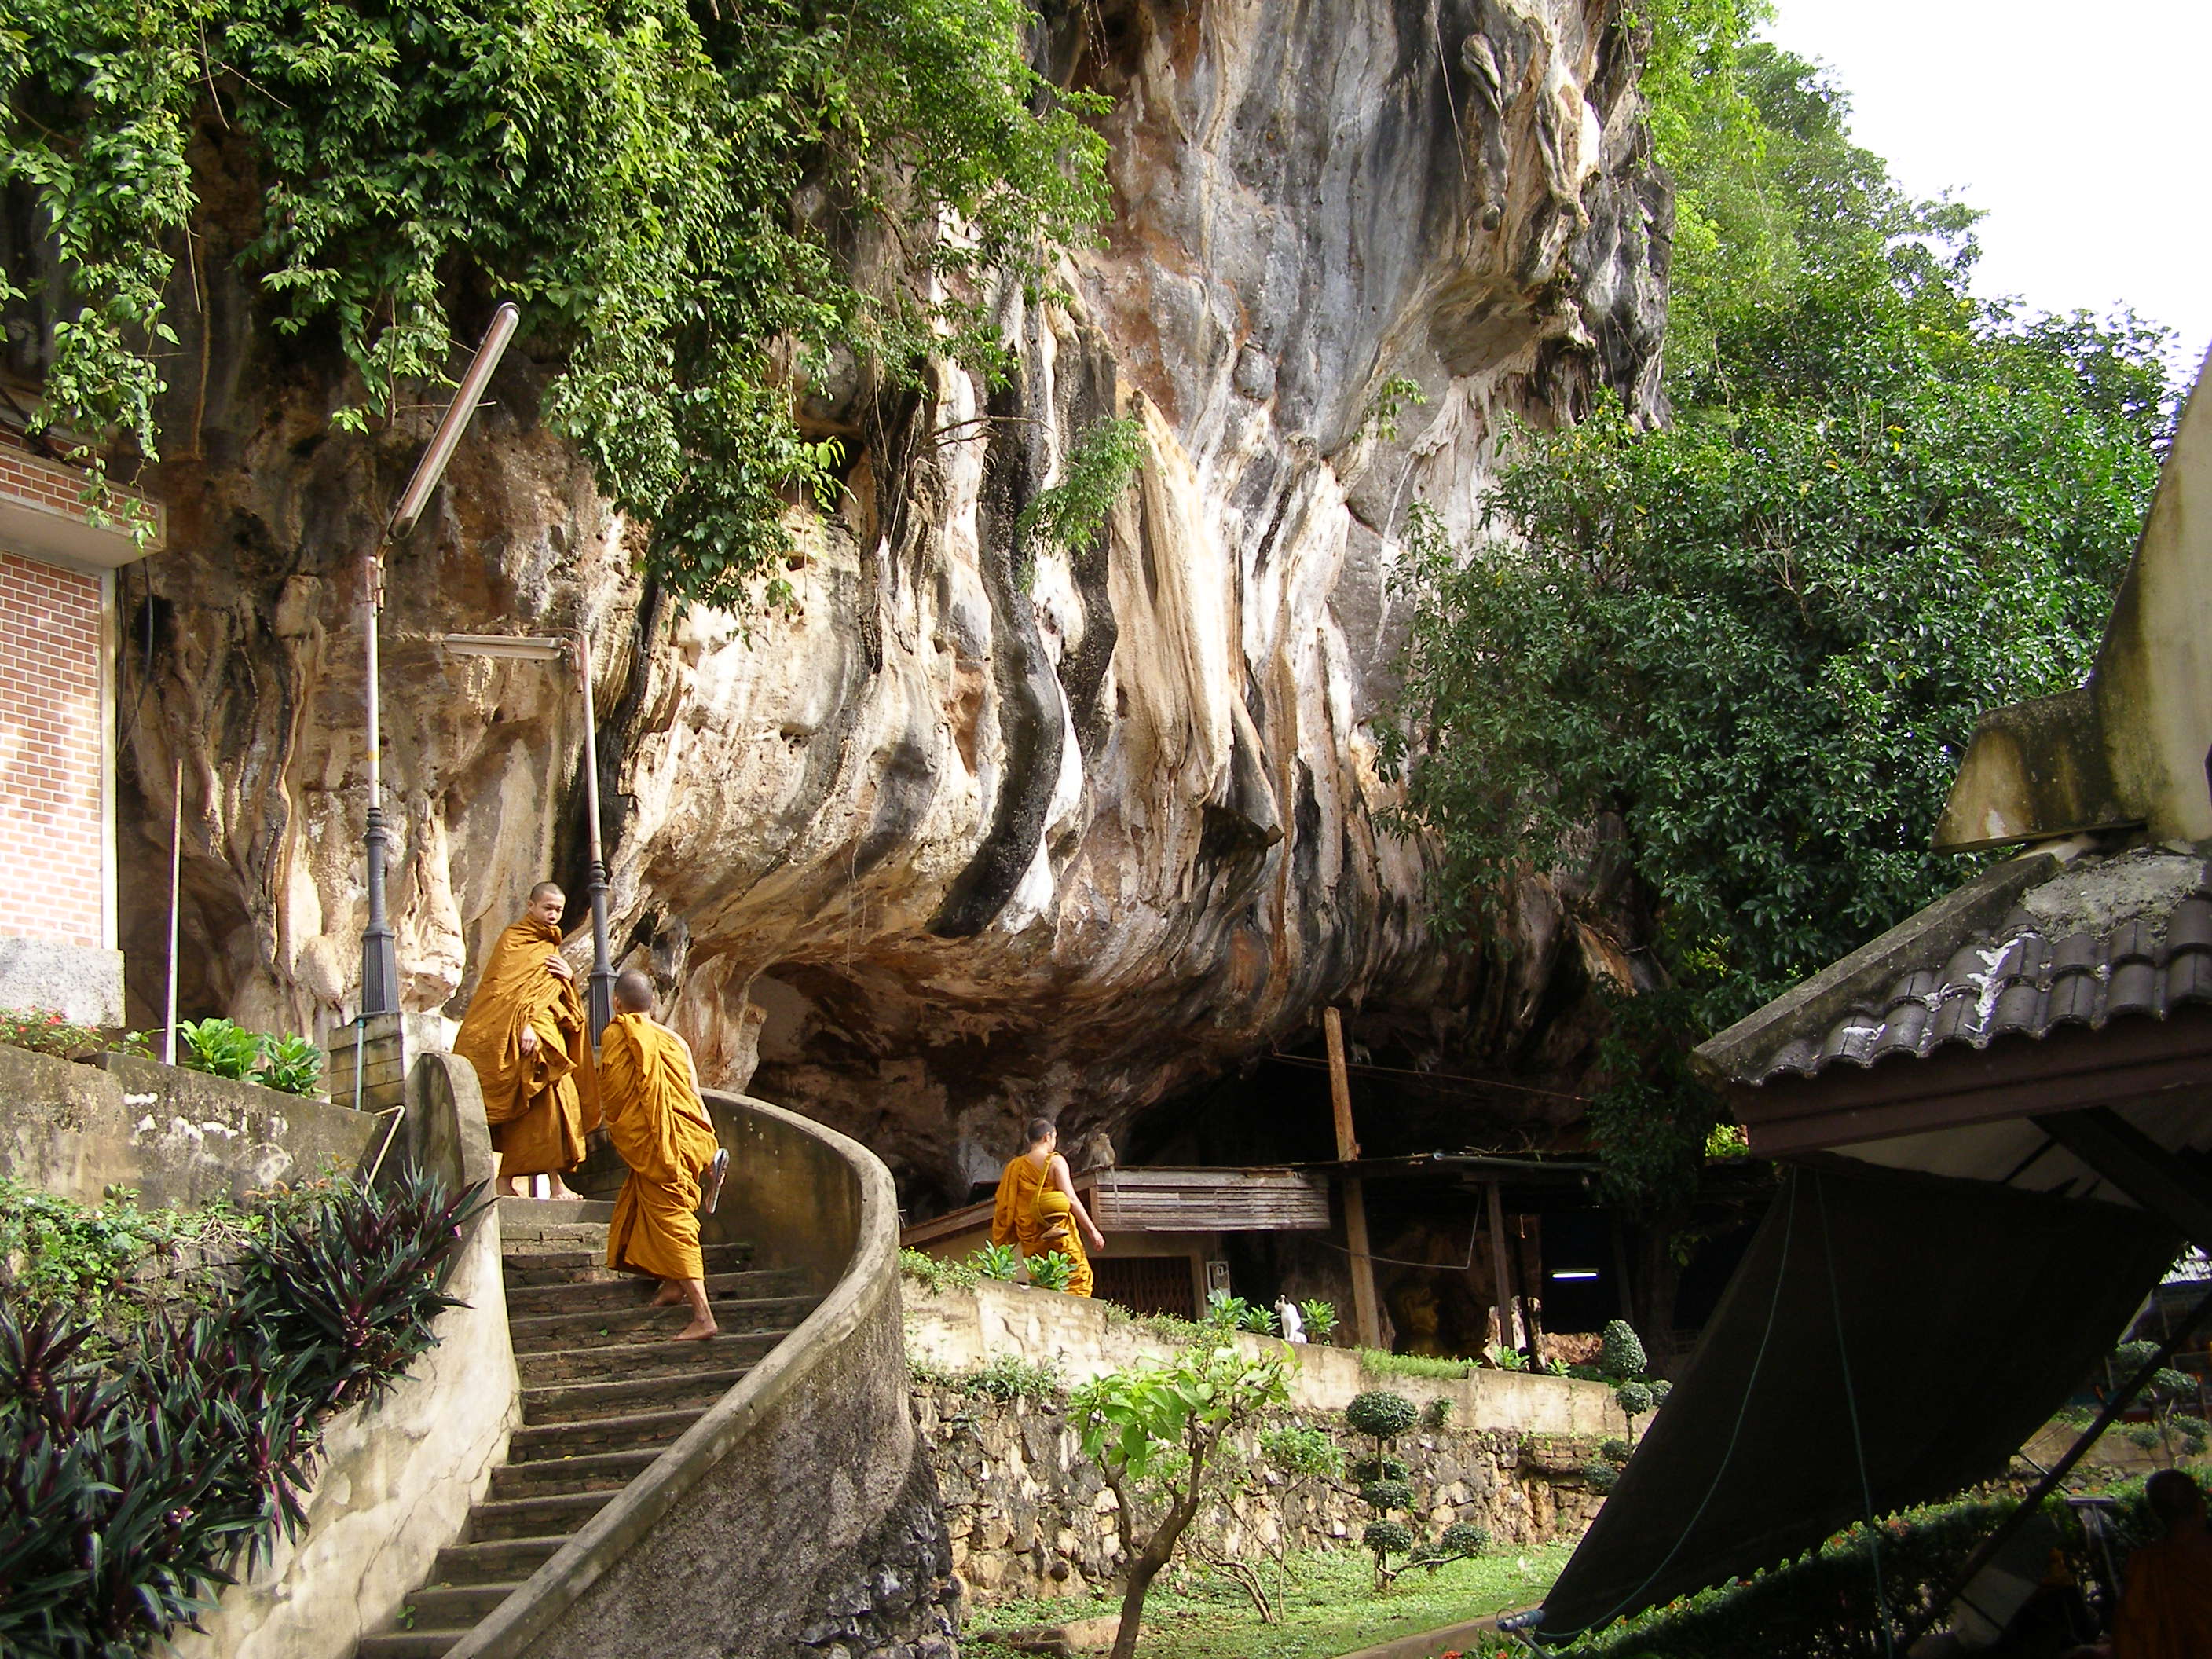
(951, 842)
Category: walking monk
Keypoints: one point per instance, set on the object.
(526, 1036)
(660, 1127)
(1037, 1208)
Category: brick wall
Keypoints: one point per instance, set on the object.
(50, 824)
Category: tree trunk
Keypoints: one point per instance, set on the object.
(1146, 1566)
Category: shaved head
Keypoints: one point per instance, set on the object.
(546, 889)
(634, 991)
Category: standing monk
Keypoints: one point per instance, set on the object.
(660, 1127)
(1037, 1208)
(527, 1037)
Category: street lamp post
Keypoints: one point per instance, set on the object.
(380, 963)
(599, 1003)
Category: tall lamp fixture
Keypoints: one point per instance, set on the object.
(600, 1001)
(379, 962)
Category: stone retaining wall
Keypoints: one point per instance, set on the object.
(1029, 1516)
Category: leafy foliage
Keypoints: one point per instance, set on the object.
(1386, 1495)
(1634, 1398)
(937, 1274)
(1160, 1425)
(1068, 513)
(1001, 1262)
(1320, 1318)
(1437, 1413)
(1381, 1413)
(1053, 1270)
(665, 191)
(137, 1468)
(1717, 675)
(1303, 1452)
(222, 1047)
(1380, 1468)
(1005, 1376)
(46, 1031)
(1620, 1350)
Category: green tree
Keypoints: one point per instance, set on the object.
(1155, 1433)
(699, 209)
(1726, 667)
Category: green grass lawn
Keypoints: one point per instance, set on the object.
(1330, 1607)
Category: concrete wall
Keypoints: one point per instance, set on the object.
(960, 1330)
(178, 1137)
(766, 1529)
(400, 1473)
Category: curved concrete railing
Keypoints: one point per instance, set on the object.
(725, 1543)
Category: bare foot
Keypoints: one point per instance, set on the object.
(697, 1331)
(671, 1296)
(561, 1189)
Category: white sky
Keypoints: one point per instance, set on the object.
(2084, 132)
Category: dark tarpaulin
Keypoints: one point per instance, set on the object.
(1968, 1311)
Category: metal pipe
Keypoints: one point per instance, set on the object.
(176, 870)
(600, 1004)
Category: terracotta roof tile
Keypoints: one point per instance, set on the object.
(2014, 981)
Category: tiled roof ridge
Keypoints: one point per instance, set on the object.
(2015, 980)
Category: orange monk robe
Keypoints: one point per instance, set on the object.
(540, 1106)
(1014, 1216)
(660, 1127)
(1054, 1211)
(2166, 1611)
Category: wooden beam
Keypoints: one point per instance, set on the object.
(1367, 1319)
(1509, 1299)
(2138, 1166)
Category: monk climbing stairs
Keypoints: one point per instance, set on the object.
(603, 1395)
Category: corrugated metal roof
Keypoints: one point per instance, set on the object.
(2016, 980)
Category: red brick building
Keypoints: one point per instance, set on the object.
(57, 737)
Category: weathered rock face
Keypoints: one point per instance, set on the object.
(960, 838)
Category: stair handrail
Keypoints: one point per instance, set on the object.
(521, 1623)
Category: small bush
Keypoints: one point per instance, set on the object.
(1320, 1318)
(1601, 1475)
(1464, 1538)
(938, 1275)
(222, 1047)
(1634, 1398)
(999, 1262)
(1224, 1312)
(1302, 1452)
(1620, 1350)
(291, 1064)
(1383, 1496)
(1381, 1363)
(1387, 1537)
(1052, 1270)
(1437, 1414)
(1007, 1378)
(1381, 1413)
(1506, 1359)
(2143, 1436)
(1381, 1469)
(1616, 1452)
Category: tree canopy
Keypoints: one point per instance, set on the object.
(674, 193)
(1742, 652)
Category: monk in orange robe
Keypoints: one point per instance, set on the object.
(2165, 1610)
(659, 1125)
(1037, 1209)
(526, 1036)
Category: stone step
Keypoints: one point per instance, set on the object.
(575, 1403)
(409, 1644)
(526, 1217)
(447, 1606)
(606, 1328)
(665, 1356)
(541, 1516)
(655, 1431)
(629, 1291)
(602, 1472)
(508, 1559)
(588, 1265)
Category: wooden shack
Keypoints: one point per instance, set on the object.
(1164, 1228)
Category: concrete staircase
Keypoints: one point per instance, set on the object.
(604, 1394)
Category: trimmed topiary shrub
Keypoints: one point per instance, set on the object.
(1620, 1350)
(1381, 1413)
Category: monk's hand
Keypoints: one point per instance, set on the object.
(1097, 1242)
(557, 965)
(528, 1041)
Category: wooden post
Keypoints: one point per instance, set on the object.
(1509, 1299)
(1365, 1317)
(176, 901)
